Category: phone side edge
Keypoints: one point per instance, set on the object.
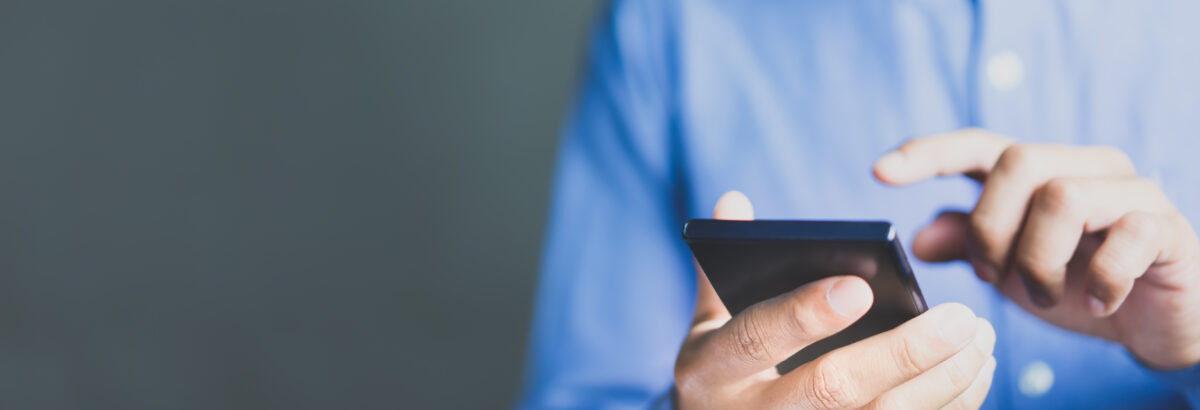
(907, 274)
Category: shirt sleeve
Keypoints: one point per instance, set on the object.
(616, 288)
(1186, 381)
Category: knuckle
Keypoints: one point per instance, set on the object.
(1139, 225)
(688, 364)
(829, 388)
(750, 340)
(1018, 158)
(981, 225)
(1108, 272)
(683, 372)
(1153, 191)
(987, 231)
(906, 355)
(1060, 196)
(691, 388)
(961, 372)
(957, 404)
(685, 383)
(1118, 157)
(799, 326)
(1034, 264)
(889, 402)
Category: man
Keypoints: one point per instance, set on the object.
(1074, 123)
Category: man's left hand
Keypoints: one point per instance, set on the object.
(1071, 234)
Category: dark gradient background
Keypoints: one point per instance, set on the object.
(275, 204)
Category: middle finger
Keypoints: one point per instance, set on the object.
(1062, 211)
(1020, 170)
(946, 381)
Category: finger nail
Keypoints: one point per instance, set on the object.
(1096, 306)
(985, 271)
(1095, 301)
(892, 162)
(1038, 295)
(849, 297)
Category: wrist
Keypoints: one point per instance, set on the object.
(1178, 354)
(1165, 363)
(1186, 381)
(1174, 342)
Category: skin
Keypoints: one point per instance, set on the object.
(941, 359)
(1071, 234)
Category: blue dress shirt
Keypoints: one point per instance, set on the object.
(791, 102)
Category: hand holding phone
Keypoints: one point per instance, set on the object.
(748, 262)
(730, 361)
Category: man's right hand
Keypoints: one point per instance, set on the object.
(940, 359)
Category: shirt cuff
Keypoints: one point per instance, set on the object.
(1186, 381)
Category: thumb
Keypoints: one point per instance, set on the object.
(733, 206)
(945, 239)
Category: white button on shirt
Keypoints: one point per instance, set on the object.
(1005, 70)
(1036, 379)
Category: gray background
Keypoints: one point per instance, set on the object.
(288, 204)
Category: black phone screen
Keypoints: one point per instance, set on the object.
(752, 261)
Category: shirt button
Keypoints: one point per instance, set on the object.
(1036, 379)
(1005, 70)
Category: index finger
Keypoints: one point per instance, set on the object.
(855, 374)
(970, 151)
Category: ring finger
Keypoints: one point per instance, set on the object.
(1061, 212)
(946, 381)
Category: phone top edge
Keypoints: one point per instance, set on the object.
(712, 229)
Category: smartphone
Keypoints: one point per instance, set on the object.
(752, 261)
